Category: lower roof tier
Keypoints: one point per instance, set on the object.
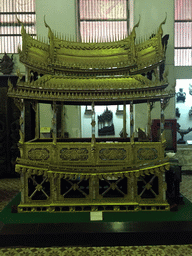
(86, 90)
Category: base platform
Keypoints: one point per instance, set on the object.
(76, 229)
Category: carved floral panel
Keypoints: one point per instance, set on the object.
(147, 154)
(112, 154)
(74, 154)
(38, 154)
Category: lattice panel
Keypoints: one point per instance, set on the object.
(44, 191)
(38, 187)
(74, 188)
(148, 186)
(113, 188)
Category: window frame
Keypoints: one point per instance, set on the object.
(129, 9)
(8, 33)
(176, 34)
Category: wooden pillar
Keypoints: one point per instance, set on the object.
(37, 121)
(26, 74)
(124, 121)
(22, 186)
(149, 118)
(62, 120)
(22, 123)
(22, 127)
(131, 122)
(93, 121)
(162, 120)
(93, 142)
(54, 123)
(157, 73)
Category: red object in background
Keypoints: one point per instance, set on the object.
(170, 132)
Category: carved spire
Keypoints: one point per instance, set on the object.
(23, 30)
(51, 41)
(162, 23)
(50, 34)
(136, 26)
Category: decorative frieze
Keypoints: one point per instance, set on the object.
(147, 154)
(109, 154)
(74, 154)
(38, 154)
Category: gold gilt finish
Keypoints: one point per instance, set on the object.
(62, 176)
(110, 156)
(62, 55)
(90, 89)
(94, 200)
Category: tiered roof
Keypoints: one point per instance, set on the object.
(86, 72)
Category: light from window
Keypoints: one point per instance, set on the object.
(103, 20)
(10, 30)
(183, 32)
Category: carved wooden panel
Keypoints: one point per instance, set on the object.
(9, 130)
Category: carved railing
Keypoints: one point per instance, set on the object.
(110, 155)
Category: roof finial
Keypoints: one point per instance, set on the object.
(162, 23)
(137, 25)
(23, 30)
(46, 25)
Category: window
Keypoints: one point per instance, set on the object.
(10, 30)
(183, 32)
(103, 20)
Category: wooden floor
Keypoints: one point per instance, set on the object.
(9, 188)
(169, 250)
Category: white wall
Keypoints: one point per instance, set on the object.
(183, 72)
(60, 16)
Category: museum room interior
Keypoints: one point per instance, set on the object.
(95, 127)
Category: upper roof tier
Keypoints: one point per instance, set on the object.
(112, 72)
(63, 56)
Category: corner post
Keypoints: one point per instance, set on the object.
(93, 142)
(54, 123)
(131, 122)
(124, 121)
(162, 121)
(149, 108)
(37, 121)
